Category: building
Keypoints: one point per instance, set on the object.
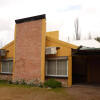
(86, 43)
(36, 55)
(86, 62)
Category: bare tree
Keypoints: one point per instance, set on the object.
(77, 32)
(68, 38)
(89, 36)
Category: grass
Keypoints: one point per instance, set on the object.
(25, 92)
(4, 83)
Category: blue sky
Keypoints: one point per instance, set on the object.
(60, 15)
(69, 8)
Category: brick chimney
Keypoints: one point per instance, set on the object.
(29, 49)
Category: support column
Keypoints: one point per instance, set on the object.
(69, 71)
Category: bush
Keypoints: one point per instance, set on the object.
(31, 84)
(40, 85)
(10, 82)
(52, 83)
(3, 81)
(16, 83)
(23, 82)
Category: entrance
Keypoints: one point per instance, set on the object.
(86, 66)
(79, 69)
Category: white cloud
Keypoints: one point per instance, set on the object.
(60, 15)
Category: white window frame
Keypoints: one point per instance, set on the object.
(56, 68)
(7, 66)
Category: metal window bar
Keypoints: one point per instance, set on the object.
(7, 68)
(56, 73)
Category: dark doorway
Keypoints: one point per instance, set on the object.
(79, 69)
(86, 69)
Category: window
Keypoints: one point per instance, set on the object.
(6, 66)
(56, 67)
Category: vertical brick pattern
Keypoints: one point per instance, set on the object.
(28, 51)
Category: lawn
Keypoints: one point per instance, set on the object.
(23, 92)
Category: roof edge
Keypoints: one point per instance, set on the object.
(7, 45)
(33, 18)
(62, 42)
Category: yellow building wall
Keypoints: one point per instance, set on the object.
(10, 48)
(53, 34)
(65, 50)
(43, 51)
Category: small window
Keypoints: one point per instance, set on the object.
(61, 67)
(57, 67)
(6, 66)
(51, 67)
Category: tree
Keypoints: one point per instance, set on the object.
(89, 36)
(98, 39)
(77, 32)
(68, 38)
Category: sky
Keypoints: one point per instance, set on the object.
(60, 15)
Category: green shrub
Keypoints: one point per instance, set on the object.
(31, 84)
(3, 81)
(23, 82)
(16, 83)
(40, 85)
(52, 83)
(10, 82)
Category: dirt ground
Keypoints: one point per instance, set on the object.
(35, 93)
(77, 92)
(85, 92)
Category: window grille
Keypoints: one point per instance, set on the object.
(57, 67)
(6, 66)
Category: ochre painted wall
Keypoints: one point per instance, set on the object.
(10, 54)
(53, 34)
(43, 50)
(10, 48)
(64, 50)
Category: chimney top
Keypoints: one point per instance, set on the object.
(43, 16)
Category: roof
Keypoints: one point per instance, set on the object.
(62, 42)
(30, 19)
(8, 45)
(86, 52)
(87, 43)
(85, 48)
(50, 39)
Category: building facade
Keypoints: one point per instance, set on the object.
(36, 55)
